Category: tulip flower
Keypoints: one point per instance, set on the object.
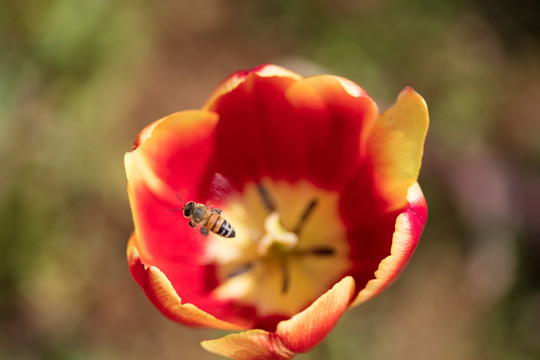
(320, 188)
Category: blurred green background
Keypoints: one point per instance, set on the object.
(79, 79)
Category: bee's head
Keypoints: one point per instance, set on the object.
(188, 208)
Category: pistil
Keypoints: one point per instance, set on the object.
(277, 236)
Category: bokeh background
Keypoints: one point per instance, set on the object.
(79, 79)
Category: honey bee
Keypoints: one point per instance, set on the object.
(209, 219)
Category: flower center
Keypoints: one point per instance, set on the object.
(290, 247)
(276, 236)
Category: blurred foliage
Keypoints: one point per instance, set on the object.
(79, 79)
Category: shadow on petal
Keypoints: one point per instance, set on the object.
(409, 227)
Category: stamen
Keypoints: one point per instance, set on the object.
(318, 251)
(266, 198)
(276, 234)
(309, 209)
(240, 270)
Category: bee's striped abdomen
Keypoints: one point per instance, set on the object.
(226, 230)
(218, 225)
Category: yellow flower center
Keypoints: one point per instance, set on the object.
(290, 247)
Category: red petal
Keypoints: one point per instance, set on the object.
(374, 197)
(369, 228)
(251, 125)
(174, 150)
(290, 128)
(172, 155)
(408, 228)
(333, 113)
(162, 294)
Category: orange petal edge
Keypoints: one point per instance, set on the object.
(163, 295)
(404, 242)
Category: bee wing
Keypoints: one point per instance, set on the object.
(220, 190)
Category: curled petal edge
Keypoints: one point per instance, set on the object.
(233, 81)
(162, 294)
(250, 345)
(396, 145)
(409, 227)
(298, 334)
(185, 127)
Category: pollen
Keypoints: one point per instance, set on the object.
(290, 247)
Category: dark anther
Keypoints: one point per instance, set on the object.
(240, 270)
(309, 209)
(266, 198)
(316, 250)
(322, 251)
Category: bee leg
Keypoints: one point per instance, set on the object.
(204, 231)
(191, 224)
(216, 211)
